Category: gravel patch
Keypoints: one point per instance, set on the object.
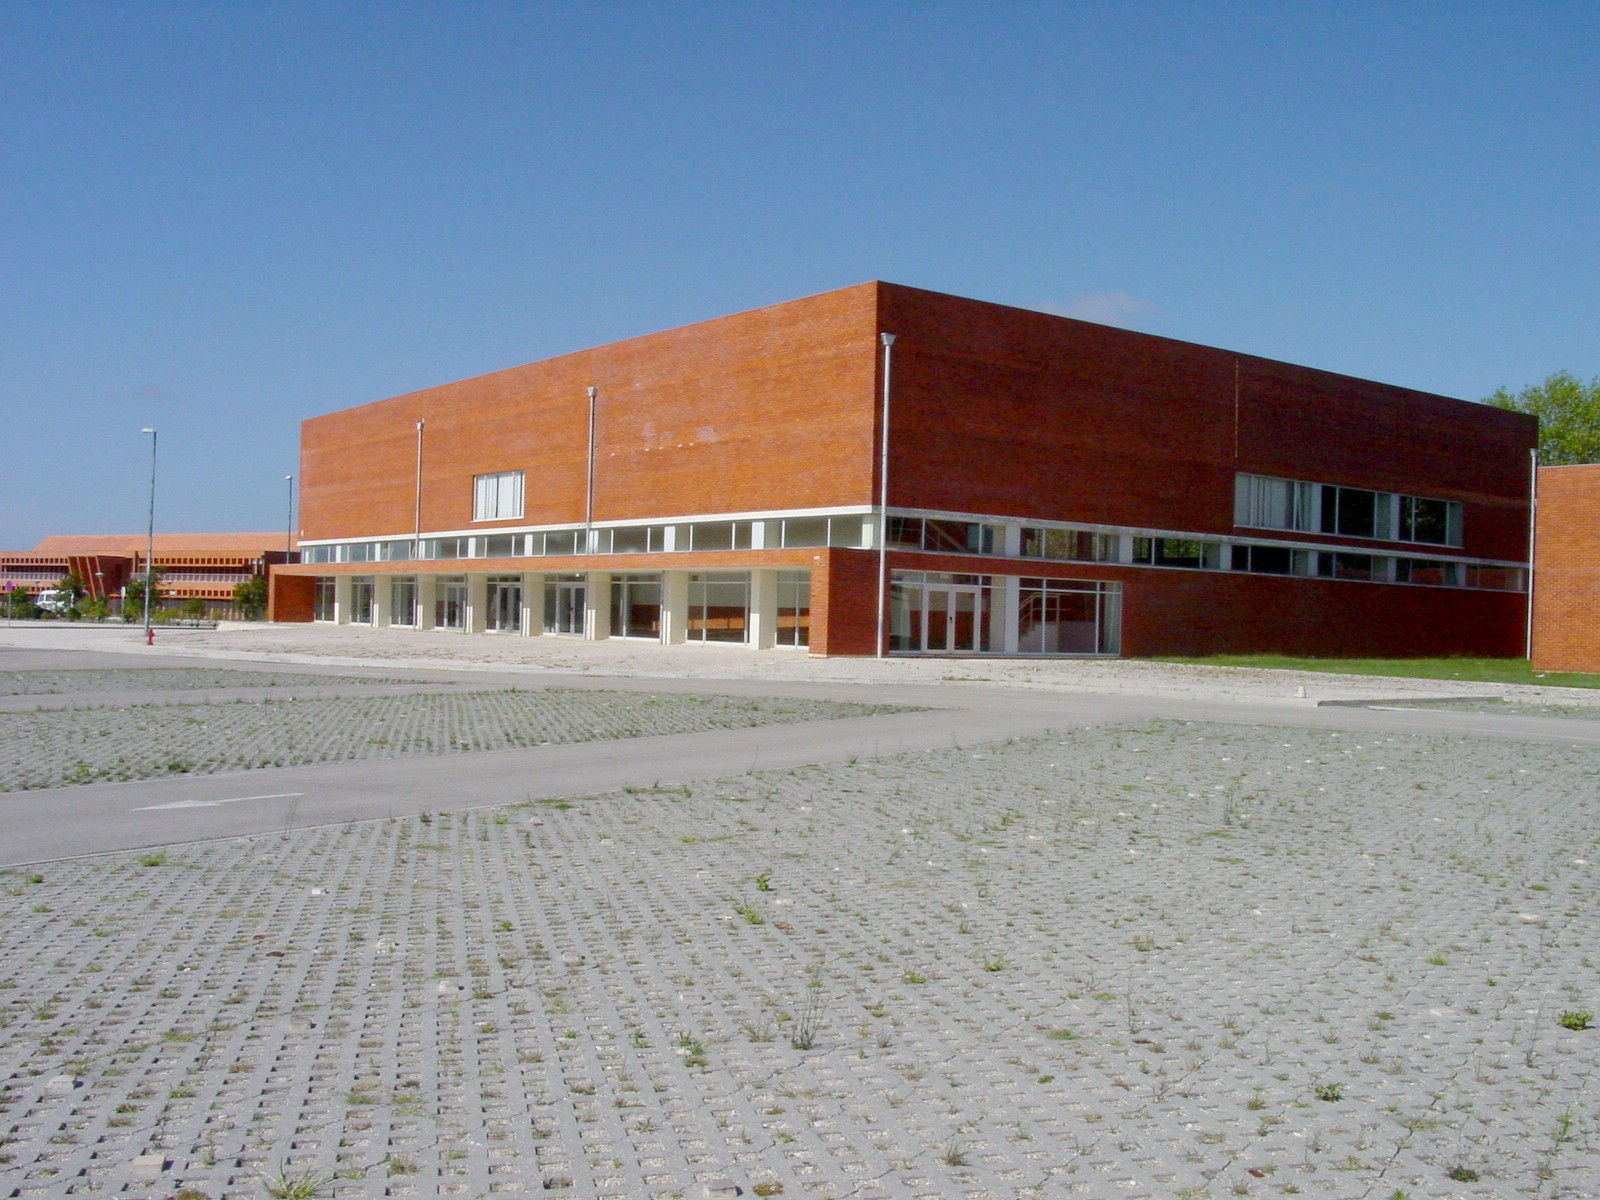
(1173, 961)
(63, 747)
(184, 679)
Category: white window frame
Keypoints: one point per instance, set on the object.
(497, 496)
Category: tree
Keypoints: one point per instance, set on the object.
(133, 596)
(1569, 417)
(250, 597)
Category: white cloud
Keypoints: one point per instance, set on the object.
(1109, 308)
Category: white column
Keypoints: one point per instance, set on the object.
(763, 627)
(382, 600)
(341, 599)
(427, 598)
(532, 603)
(1005, 597)
(674, 607)
(477, 602)
(597, 606)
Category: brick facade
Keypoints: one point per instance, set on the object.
(1566, 588)
(998, 416)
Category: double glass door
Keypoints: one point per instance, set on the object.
(505, 605)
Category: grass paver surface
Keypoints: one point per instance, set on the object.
(63, 747)
(1174, 961)
(186, 679)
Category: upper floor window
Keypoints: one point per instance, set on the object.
(1263, 502)
(497, 497)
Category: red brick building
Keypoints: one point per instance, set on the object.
(1046, 486)
(1566, 582)
(204, 566)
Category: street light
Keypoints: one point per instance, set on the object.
(150, 544)
(288, 530)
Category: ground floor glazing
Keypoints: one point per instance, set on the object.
(927, 612)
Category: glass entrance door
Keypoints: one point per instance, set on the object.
(950, 618)
(505, 605)
(563, 606)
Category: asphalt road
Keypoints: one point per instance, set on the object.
(43, 825)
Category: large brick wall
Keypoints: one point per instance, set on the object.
(1566, 594)
(763, 410)
(1000, 410)
(1175, 612)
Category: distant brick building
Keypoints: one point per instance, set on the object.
(1048, 486)
(1566, 581)
(205, 566)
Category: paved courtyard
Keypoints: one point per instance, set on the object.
(1168, 958)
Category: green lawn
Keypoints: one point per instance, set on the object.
(1478, 670)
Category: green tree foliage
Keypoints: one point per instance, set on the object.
(133, 596)
(1569, 417)
(250, 597)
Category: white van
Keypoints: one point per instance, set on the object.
(54, 601)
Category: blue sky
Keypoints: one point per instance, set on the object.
(219, 219)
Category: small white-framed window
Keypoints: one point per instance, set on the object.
(497, 497)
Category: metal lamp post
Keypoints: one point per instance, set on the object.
(288, 530)
(150, 544)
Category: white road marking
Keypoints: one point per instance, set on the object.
(215, 803)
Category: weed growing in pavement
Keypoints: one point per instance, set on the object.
(1327, 1091)
(954, 1155)
(809, 1023)
(751, 914)
(295, 1185)
(155, 858)
(691, 1050)
(1576, 1019)
(1462, 1173)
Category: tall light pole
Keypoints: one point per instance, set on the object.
(150, 544)
(288, 534)
(883, 491)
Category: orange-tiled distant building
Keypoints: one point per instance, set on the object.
(1566, 580)
(206, 566)
(887, 470)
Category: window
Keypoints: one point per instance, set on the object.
(949, 537)
(636, 606)
(1271, 560)
(794, 608)
(1177, 552)
(1356, 512)
(497, 497)
(1067, 616)
(719, 607)
(1349, 566)
(1433, 522)
(1068, 545)
(1427, 571)
(1262, 502)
